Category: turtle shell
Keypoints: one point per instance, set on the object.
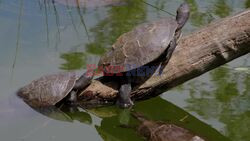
(140, 46)
(49, 89)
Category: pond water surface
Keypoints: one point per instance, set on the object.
(41, 37)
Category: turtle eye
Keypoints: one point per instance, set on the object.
(113, 47)
(106, 64)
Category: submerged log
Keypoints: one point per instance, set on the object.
(196, 54)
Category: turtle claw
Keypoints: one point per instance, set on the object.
(71, 103)
(125, 104)
(124, 100)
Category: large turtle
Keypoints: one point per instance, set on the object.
(144, 44)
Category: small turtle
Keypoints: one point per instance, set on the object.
(51, 89)
(161, 131)
(144, 44)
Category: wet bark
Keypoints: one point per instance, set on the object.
(197, 53)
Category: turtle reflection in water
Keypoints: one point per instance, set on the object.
(161, 131)
(144, 44)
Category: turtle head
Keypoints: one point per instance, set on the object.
(182, 15)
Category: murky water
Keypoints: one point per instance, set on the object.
(39, 37)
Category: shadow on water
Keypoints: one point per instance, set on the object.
(169, 113)
(65, 113)
(114, 119)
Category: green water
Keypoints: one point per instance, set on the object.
(38, 37)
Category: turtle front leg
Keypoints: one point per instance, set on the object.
(124, 100)
(80, 84)
(169, 53)
(72, 98)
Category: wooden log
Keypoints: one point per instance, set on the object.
(197, 53)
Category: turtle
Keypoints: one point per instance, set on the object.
(140, 46)
(50, 90)
(162, 131)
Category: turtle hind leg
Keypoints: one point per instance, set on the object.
(169, 53)
(124, 100)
